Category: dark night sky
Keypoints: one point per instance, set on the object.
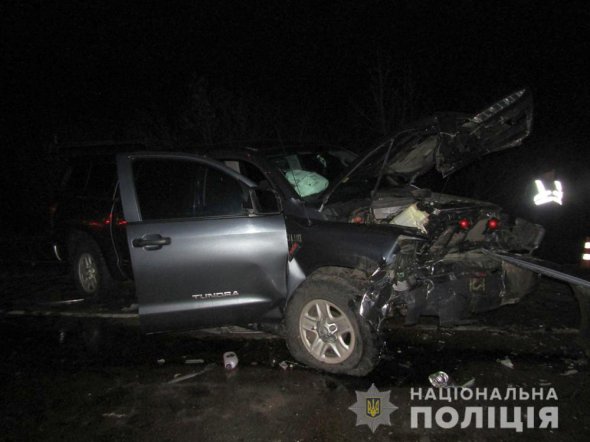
(80, 69)
(104, 59)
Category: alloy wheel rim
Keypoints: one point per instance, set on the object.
(88, 272)
(326, 332)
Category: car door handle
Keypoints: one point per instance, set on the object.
(151, 242)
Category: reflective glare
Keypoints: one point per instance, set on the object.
(545, 196)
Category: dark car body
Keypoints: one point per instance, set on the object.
(87, 204)
(249, 235)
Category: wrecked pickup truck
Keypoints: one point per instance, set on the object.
(318, 242)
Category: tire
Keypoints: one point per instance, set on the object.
(89, 270)
(325, 331)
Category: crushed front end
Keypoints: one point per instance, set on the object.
(443, 270)
(440, 268)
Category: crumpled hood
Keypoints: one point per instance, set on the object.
(447, 141)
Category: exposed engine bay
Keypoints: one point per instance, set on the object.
(441, 270)
(440, 266)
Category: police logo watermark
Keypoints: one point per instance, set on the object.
(373, 408)
(499, 413)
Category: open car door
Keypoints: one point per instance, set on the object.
(207, 248)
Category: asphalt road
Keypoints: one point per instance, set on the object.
(78, 378)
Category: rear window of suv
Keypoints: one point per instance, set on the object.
(90, 179)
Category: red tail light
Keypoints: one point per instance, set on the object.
(107, 221)
(118, 221)
(464, 223)
(493, 224)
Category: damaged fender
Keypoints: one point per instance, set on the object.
(374, 304)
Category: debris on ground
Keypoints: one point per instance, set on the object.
(115, 415)
(194, 361)
(64, 302)
(131, 308)
(570, 372)
(230, 360)
(284, 365)
(571, 363)
(161, 361)
(178, 378)
(506, 362)
(470, 383)
(441, 379)
(294, 364)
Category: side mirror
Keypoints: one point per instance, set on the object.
(266, 201)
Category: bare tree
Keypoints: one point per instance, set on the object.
(393, 96)
(210, 115)
(216, 115)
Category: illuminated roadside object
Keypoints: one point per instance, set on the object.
(586, 254)
(545, 196)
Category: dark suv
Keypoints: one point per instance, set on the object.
(322, 243)
(88, 226)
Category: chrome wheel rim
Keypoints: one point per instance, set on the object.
(326, 332)
(88, 272)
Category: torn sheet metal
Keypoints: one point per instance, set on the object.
(374, 304)
(455, 286)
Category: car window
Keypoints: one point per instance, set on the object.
(310, 173)
(101, 182)
(172, 189)
(222, 195)
(166, 189)
(95, 179)
(249, 170)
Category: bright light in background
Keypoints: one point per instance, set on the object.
(545, 196)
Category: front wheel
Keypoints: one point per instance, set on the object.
(325, 331)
